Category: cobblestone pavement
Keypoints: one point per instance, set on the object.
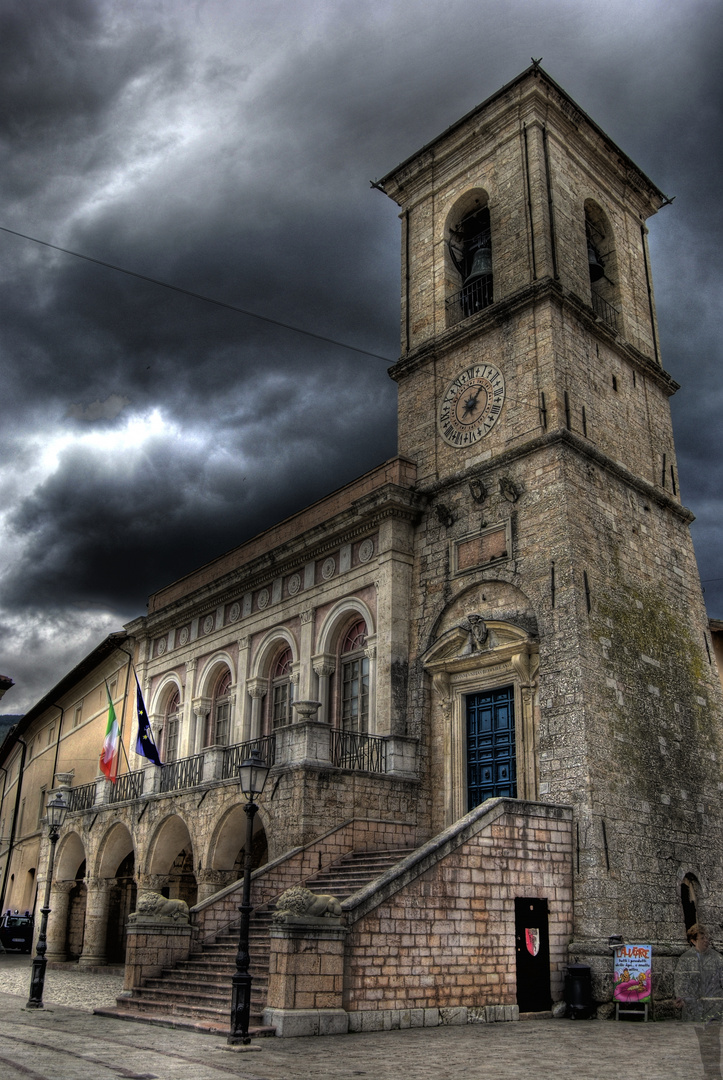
(62, 1043)
(62, 986)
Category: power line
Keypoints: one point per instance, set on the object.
(198, 296)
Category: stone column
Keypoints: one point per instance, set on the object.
(371, 654)
(96, 922)
(57, 933)
(305, 672)
(242, 720)
(201, 708)
(187, 741)
(256, 689)
(324, 665)
(212, 881)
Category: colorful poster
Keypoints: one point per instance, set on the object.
(633, 974)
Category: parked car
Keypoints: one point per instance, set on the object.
(16, 931)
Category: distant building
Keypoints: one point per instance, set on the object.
(494, 644)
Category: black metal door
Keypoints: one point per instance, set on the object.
(532, 945)
(491, 766)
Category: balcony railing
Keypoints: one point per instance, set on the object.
(470, 299)
(188, 772)
(352, 750)
(234, 755)
(127, 786)
(605, 311)
(81, 798)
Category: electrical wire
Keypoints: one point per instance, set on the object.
(198, 296)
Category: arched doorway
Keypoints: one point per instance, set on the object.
(77, 902)
(227, 850)
(121, 902)
(171, 860)
(117, 870)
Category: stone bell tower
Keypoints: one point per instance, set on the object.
(558, 634)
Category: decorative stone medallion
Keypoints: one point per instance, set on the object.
(294, 584)
(328, 568)
(208, 624)
(234, 612)
(263, 599)
(161, 646)
(366, 550)
(183, 635)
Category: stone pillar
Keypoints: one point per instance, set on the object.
(187, 740)
(212, 881)
(371, 654)
(305, 688)
(324, 665)
(96, 922)
(305, 741)
(153, 944)
(201, 708)
(306, 977)
(57, 932)
(256, 689)
(242, 719)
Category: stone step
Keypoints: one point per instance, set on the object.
(197, 992)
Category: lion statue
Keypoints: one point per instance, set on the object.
(300, 902)
(157, 906)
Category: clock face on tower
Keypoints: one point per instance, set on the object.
(471, 404)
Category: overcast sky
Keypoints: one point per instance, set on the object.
(226, 146)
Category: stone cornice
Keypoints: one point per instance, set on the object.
(361, 516)
(497, 314)
(580, 446)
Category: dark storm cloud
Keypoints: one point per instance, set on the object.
(227, 148)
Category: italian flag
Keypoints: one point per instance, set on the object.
(109, 753)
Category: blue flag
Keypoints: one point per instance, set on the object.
(145, 744)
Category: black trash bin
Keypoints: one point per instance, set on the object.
(578, 991)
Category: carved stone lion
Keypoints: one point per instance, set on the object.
(300, 901)
(157, 906)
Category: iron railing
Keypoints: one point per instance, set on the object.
(605, 311)
(352, 750)
(234, 755)
(470, 299)
(127, 786)
(81, 798)
(185, 773)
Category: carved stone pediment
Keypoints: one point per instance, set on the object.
(475, 643)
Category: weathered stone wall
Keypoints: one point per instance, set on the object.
(445, 937)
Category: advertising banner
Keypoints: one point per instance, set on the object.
(633, 975)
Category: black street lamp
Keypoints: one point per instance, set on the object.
(252, 774)
(57, 809)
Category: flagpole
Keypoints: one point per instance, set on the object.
(125, 705)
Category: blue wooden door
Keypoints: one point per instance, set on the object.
(491, 768)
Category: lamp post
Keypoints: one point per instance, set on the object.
(57, 809)
(252, 774)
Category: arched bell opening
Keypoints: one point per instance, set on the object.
(602, 265)
(468, 257)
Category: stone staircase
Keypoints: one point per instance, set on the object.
(196, 993)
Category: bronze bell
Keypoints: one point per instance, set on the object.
(597, 270)
(481, 264)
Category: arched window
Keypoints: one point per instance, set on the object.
(689, 899)
(171, 727)
(218, 724)
(470, 252)
(602, 265)
(281, 690)
(354, 681)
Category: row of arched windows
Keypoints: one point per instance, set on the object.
(349, 696)
(469, 277)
